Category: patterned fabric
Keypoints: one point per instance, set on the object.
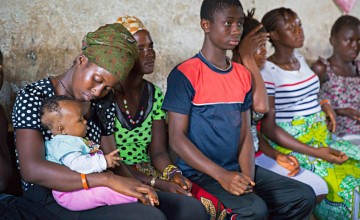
(26, 113)
(131, 23)
(343, 92)
(255, 118)
(343, 180)
(148, 169)
(133, 143)
(215, 209)
(295, 92)
(111, 47)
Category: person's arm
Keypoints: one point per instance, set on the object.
(157, 148)
(348, 112)
(246, 148)
(108, 145)
(160, 184)
(84, 163)
(233, 182)
(245, 55)
(319, 69)
(284, 139)
(159, 153)
(330, 116)
(287, 161)
(36, 169)
(6, 168)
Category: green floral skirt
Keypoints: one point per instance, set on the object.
(342, 201)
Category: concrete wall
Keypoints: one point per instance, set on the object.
(42, 37)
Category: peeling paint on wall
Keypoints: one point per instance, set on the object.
(43, 37)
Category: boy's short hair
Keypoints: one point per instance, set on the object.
(209, 7)
(51, 105)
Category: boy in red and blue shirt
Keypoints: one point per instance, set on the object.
(208, 101)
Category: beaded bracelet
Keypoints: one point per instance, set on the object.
(172, 173)
(84, 182)
(325, 101)
(169, 171)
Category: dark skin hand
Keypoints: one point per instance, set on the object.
(160, 157)
(330, 116)
(163, 185)
(233, 182)
(287, 161)
(284, 139)
(247, 152)
(112, 159)
(108, 145)
(244, 54)
(349, 112)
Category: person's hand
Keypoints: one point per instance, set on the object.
(236, 183)
(134, 188)
(288, 162)
(251, 42)
(349, 112)
(332, 155)
(170, 186)
(330, 116)
(182, 181)
(112, 159)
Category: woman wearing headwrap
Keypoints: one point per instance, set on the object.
(107, 56)
(140, 131)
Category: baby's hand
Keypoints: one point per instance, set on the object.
(112, 159)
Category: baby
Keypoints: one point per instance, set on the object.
(63, 117)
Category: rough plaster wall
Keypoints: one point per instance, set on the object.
(42, 37)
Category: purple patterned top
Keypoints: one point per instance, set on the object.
(343, 92)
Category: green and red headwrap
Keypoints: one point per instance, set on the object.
(111, 47)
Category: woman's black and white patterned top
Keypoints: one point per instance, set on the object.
(26, 113)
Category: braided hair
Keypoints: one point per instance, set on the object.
(272, 17)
